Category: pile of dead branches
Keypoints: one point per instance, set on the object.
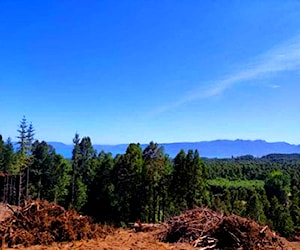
(41, 222)
(207, 229)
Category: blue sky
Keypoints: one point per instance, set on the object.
(136, 71)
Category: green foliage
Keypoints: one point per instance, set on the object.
(7, 157)
(23, 143)
(255, 208)
(235, 184)
(178, 188)
(281, 218)
(50, 174)
(278, 185)
(153, 170)
(148, 185)
(128, 183)
(101, 191)
(188, 187)
(61, 172)
(83, 171)
(295, 209)
(29, 138)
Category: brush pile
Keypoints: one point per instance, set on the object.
(4, 212)
(41, 222)
(207, 229)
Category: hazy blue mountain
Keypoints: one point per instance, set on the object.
(210, 149)
(63, 149)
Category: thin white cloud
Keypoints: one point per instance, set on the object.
(274, 86)
(285, 57)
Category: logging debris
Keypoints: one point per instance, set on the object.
(42, 223)
(206, 229)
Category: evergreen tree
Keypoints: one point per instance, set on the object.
(22, 161)
(281, 219)
(278, 184)
(164, 187)
(85, 164)
(128, 183)
(29, 138)
(188, 183)
(29, 141)
(75, 168)
(295, 209)
(178, 188)
(42, 175)
(61, 171)
(197, 191)
(255, 209)
(82, 171)
(101, 191)
(226, 201)
(153, 169)
(23, 144)
(9, 157)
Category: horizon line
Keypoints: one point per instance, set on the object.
(174, 142)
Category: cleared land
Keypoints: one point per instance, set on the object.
(191, 226)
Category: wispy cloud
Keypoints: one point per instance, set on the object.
(285, 57)
(274, 86)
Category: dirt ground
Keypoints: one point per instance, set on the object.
(126, 240)
(121, 239)
(293, 245)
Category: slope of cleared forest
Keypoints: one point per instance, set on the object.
(43, 225)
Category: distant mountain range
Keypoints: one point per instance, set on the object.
(209, 149)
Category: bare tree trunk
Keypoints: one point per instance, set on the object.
(39, 185)
(160, 207)
(5, 191)
(154, 206)
(163, 207)
(9, 197)
(20, 188)
(73, 190)
(15, 189)
(12, 190)
(2, 191)
(55, 196)
(27, 181)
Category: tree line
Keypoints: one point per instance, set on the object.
(147, 185)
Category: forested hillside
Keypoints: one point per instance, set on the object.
(147, 185)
